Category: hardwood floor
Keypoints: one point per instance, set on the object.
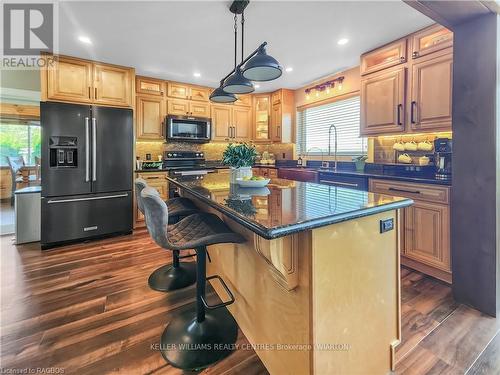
(87, 309)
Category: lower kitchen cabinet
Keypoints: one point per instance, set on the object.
(425, 229)
(298, 174)
(265, 172)
(157, 180)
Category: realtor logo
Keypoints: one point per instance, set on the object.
(28, 29)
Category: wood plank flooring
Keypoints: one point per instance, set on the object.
(87, 309)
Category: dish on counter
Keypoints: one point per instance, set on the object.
(252, 183)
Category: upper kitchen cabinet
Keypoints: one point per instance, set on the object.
(383, 102)
(431, 93)
(384, 57)
(184, 91)
(282, 116)
(245, 100)
(262, 113)
(149, 86)
(113, 85)
(150, 114)
(68, 80)
(179, 107)
(83, 81)
(429, 40)
(231, 123)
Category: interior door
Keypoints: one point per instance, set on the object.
(112, 149)
(64, 123)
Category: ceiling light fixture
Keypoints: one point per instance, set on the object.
(236, 83)
(258, 66)
(328, 85)
(289, 69)
(257, 86)
(197, 74)
(84, 39)
(342, 41)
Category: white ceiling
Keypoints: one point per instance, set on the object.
(173, 39)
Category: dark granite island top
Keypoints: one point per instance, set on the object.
(285, 207)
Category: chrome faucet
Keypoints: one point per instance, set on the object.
(320, 150)
(332, 126)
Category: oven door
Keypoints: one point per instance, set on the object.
(188, 129)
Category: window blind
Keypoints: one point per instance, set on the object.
(313, 124)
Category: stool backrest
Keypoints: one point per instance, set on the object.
(156, 214)
(140, 184)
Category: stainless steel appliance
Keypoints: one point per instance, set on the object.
(87, 171)
(188, 129)
(185, 163)
(442, 158)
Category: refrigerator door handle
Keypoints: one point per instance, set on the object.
(87, 151)
(94, 149)
(87, 199)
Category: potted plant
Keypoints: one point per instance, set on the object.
(240, 157)
(360, 162)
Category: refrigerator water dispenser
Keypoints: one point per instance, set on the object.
(63, 152)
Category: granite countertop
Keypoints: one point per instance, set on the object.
(285, 206)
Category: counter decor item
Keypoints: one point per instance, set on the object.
(405, 159)
(360, 162)
(423, 160)
(399, 146)
(411, 146)
(425, 146)
(239, 157)
(253, 182)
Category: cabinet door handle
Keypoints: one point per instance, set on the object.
(412, 112)
(398, 109)
(229, 132)
(89, 93)
(95, 93)
(405, 191)
(338, 183)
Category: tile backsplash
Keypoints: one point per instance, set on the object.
(212, 150)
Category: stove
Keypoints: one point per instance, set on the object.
(191, 164)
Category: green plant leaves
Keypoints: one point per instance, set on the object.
(239, 155)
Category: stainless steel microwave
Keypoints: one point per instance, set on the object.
(188, 129)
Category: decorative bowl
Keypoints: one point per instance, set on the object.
(252, 183)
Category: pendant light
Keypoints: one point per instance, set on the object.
(236, 83)
(262, 67)
(220, 96)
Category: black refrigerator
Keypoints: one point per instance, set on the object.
(86, 172)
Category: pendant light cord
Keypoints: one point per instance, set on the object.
(235, 38)
(242, 35)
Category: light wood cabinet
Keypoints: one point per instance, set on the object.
(158, 181)
(81, 81)
(69, 79)
(383, 102)
(230, 122)
(242, 122)
(431, 93)
(282, 116)
(150, 115)
(184, 91)
(178, 107)
(149, 86)
(426, 237)
(244, 100)
(112, 85)
(262, 113)
(221, 122)
(188, 108)
(425, 233)
(429, 40)
(384, 57)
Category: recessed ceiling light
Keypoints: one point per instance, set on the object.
(84, 39)
(289, 69)
(197, 74)
(342, 41)
(256, 86)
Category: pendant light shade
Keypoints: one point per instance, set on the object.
(220, 96)
(262, 67)
(237, 84)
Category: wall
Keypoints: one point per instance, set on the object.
(212, 150)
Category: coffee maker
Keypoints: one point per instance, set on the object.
(442, 158)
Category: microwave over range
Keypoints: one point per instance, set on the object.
(188, 129)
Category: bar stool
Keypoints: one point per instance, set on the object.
(194, 341)
(177, 275)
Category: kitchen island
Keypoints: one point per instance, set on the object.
(317, 281)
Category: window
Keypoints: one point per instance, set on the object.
(19, 139)
(313, 125)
